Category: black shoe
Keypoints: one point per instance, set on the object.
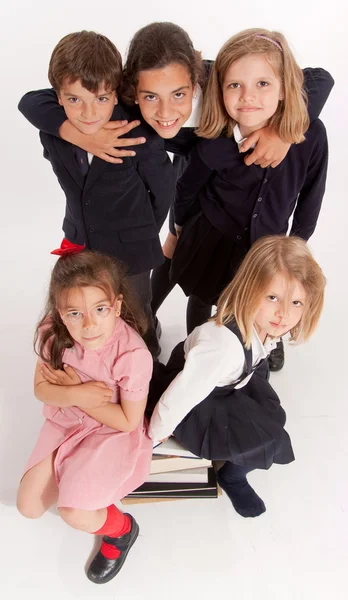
(102, 569)
(158, 328)
(276, 357)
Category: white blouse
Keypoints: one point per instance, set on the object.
(214, 358)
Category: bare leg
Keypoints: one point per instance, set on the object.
(38, 489)
(84, 520)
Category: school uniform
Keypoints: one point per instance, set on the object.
(216, 400)
(223, 206)
(94, 464)
(117, 209)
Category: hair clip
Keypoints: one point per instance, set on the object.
(67, 247)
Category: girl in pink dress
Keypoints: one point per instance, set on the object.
(93, 376)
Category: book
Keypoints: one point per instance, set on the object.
(172, 447)
(162, 463)
(148, 499)
(205, 493)
(177, 488)
(199, 475)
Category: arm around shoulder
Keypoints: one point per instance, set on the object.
(312, 192)
(42, 109)
(318, 84)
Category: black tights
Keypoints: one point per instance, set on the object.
(161, 284)
(197, 312)
(245, 500)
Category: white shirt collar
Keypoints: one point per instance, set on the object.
(197, 102)
(237, 135)
(267, 347)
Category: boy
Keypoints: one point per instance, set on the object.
(117, 209)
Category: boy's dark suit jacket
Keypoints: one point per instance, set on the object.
(117, 209)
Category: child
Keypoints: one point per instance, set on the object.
(219, 403)
(117, 209)
(222, 205)
(163, 73)
(92, 375)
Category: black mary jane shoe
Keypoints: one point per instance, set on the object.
(102, 569)
(276, 357)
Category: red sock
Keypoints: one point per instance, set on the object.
(116, 524)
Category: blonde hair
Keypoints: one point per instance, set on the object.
(291, 120)
(270, 256)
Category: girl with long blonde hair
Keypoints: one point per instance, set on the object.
(222, 207)
(214, 392)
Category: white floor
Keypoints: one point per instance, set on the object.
(190, 548)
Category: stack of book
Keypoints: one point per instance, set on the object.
(176, 473)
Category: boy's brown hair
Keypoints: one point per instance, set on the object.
(88, 56)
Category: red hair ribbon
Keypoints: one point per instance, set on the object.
(67, 247)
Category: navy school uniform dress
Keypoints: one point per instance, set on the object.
(244, 426)
(318, 84)
(225, 206)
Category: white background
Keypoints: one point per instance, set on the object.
(298, 548)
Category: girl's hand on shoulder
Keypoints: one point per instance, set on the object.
(58, 376)
(92, 394)
(270, 150)
(103, 142)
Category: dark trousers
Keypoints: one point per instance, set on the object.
(197, 313)
(142, 288)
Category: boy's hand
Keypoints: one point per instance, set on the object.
(92, 394)
(60, 377)
(270, 149)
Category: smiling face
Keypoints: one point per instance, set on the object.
(87, 111)
(281, 307)
(165, 98)
(251, 92)
(89, 315)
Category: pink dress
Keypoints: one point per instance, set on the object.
(96, 465)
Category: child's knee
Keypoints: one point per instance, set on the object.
(29, 508)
